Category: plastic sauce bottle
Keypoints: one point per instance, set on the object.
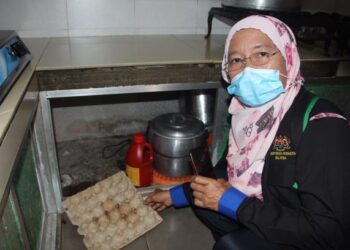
(139, 161)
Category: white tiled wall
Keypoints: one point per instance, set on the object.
(95, 17)
(34, 17)
(107, 17)
(122, 17)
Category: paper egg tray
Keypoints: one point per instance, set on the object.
(110, 214)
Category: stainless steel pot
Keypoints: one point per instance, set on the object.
(276, 5)
(175, 134)
(172, 166)
(200, 104)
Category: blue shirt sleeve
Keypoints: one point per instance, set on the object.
(230, 202)
(178, 196)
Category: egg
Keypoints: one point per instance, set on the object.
(92, 228)
(136, 201)
(123, 185)
(142, 211)
(103, 222)
(121, 224)
(128, 195)
(124, 208)
(108, 205)
(132, 218)
(97, 212)
(114, 215)
(102, 196)
(119, 198)
(139, 228)
(111, 230)
(91, 203)
(112, 191)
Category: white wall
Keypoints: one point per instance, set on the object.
(122, 17)
(107, 17)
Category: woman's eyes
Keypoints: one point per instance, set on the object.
(235, 60)
(255, 56)
(262, 54)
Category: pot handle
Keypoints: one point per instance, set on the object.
(177, 119)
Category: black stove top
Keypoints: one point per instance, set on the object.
(307, 27)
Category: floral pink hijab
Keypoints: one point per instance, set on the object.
(253, 129)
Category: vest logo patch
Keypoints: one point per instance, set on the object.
(281, 149)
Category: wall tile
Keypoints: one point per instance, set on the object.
(165, 14)
(34, 17)
(89, 16)
(123, 17)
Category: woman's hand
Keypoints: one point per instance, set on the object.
(159, 200)
(207, 191)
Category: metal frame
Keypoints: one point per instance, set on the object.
(12, 144)
(129, 89)
(50, 229)
(44, 140)
(13, 199)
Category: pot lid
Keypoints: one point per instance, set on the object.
(177, 125)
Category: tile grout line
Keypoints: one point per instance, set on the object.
(148, 245)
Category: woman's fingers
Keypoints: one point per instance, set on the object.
(157, 206)
(198, 195)
(201, 179)
(197, 187)
(220, 180)
(158, 200)
(148, 200)
(198, 203)
(160, 208)
(207, 192)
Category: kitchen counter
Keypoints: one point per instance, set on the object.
(94, 52)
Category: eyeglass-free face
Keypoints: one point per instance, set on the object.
(253, 48)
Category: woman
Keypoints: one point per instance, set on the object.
(288, 164)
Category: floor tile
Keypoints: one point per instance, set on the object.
(180, 230)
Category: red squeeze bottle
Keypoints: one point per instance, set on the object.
(139, 161)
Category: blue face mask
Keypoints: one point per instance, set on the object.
(255, 87)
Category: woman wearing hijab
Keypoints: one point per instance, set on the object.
(288, 161)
